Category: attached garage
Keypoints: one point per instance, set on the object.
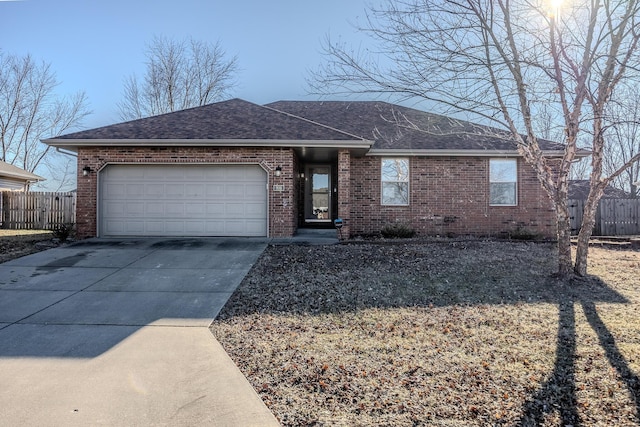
(182, 200)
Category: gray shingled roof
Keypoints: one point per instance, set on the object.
(388, 126)
(579, 189)
(394, 127)
(234, 119)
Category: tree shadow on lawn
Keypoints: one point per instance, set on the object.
(559, 391)
(310, 281)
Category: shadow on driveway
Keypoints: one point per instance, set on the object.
(81, 300)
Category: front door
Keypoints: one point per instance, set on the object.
(317, 200)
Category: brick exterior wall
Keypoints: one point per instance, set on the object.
(344, 191)
(448, 196)
(282, 204)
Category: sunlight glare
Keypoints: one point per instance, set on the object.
(554, 7)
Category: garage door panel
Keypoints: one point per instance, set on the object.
(195, 174)
(214, 174)
(174, 209)
(153, 190)
(215, 209)
(236, 227)
(254, 227)
(237, 174)
(134, 208)
(195, 190)
(234, 191)
(116, 209)
(115, 227)
(215, 228)
(234, 209)
(153, 209)
(215, 190)
(114, 190)
(254, 190)
(193, 226)
(135, 190)
(255, 210)
(175, 190)
(183, 200)
(173, 228)
(152, 227)
(255, 174)
(194, 209)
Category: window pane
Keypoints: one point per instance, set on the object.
(395, 170)
(395, 181)
(320, 179)
(503, 193)
(395, 193)
(503, 170)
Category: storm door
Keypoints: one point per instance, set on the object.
(317, 203)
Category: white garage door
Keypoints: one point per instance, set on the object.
(183, 200)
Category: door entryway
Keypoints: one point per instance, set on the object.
(317, 199)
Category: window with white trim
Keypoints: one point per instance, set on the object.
(395, 181)
(503, 182)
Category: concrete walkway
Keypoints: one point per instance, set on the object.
(115, 332)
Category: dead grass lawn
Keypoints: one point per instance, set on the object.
(441, 333)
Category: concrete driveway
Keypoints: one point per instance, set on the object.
(115, 332)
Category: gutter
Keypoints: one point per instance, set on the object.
(62, 143)
(458, 153)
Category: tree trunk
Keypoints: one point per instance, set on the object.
(586, 229)
(564, 240)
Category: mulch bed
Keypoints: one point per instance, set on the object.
(18, 243)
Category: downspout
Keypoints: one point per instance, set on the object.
(68, 153)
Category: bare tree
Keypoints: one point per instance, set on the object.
(501, 61)
(179, 75)
(30, 110)
(623, 141)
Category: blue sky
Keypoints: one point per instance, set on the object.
(92, 45)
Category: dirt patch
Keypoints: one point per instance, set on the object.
(445, 333)
(18, 243)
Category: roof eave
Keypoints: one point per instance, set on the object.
(455, 153)
(74, 143)
(19, 177)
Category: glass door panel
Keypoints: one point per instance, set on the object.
(318, 194)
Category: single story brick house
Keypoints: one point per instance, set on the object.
(235, 168)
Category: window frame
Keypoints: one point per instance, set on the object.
(384, 181)
(515, 183)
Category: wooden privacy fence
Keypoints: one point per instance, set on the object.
(614, 217)
(36, 210)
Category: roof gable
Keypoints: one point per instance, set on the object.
(234, 119)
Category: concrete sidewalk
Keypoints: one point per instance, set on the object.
(115, 332)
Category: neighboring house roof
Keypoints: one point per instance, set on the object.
(10, 171)
(368, 126)
(579, 189)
